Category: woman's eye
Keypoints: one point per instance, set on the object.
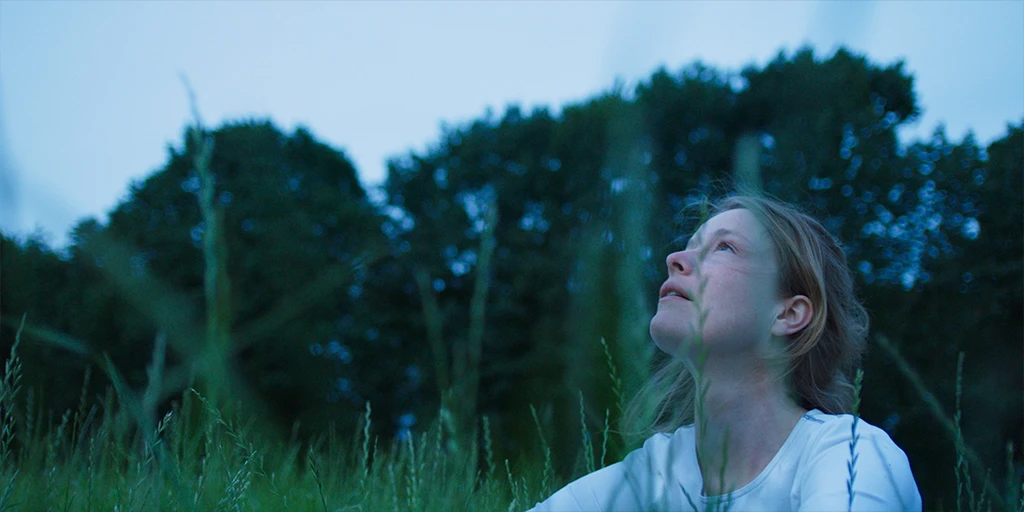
(724, 246)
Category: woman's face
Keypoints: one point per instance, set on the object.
(722, 290)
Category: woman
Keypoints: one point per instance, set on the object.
(760, 317)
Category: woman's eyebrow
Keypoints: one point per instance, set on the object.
(718, 233)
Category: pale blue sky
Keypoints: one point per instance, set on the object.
(90, 95)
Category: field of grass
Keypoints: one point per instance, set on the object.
(105, 458)
(101, 459)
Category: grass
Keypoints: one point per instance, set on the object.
(198, 459)
(108, 457)
(851, 464)
(967, 461)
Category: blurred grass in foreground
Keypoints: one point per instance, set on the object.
(100, 458)
(196, 459)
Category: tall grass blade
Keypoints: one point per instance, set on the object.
(851, 464)
(949, 426)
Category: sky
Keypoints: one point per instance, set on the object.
(91, 93)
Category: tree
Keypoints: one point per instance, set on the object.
(300, 234)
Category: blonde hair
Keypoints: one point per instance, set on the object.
(821, 357)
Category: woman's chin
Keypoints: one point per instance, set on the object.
(672, 336)
(668, 337)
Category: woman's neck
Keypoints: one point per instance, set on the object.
(742, 419)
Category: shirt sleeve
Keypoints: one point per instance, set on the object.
(882, 479)
(624, 486)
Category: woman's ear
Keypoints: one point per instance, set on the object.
(794, 314)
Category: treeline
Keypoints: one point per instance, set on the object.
(509, 271)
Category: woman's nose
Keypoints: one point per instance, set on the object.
(679, 262)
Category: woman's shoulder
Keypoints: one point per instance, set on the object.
(827, 429)
(675, 444)
(831, 432)
(638, 482)
(682, 434)
(841, 447)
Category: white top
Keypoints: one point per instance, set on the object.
(809, 473)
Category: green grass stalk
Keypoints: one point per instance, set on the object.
(851, 464)
(488, 449)
(546, 476)
(951, 427)
(588, 446)
(613, 373)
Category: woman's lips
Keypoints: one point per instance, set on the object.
(670, 290)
